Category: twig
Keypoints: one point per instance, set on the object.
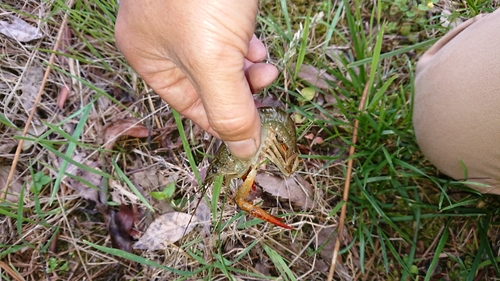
(30, 118)
(347, 185)
(33, 110)
(11, 272)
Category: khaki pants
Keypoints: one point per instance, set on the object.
(457, 103)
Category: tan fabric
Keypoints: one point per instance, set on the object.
(457, 102)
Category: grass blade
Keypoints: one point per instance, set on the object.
(185, 144)
(69, 151)
(132, 187)
(285, 272)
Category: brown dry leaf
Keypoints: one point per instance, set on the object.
(296, 189)
(314, 76)
(309, 136)
(63, 47)
(34, 130)
(267, 101)
(326, 238)
(120, 193)
(329, 236)
(84, 190)
(7, 144)
(318, 140)
(148, 178)
(204, 216)
(63, 96)
(19, 30)
(120, 238)
(123, 127)
(126, 217)
(167, 228)
(15, 185)
(315, 139)
(263, 268)
(65, 44)
(30, 85)
(120, 227)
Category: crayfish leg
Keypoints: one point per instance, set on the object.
(253, 210)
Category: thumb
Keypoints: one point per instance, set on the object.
(231, 111)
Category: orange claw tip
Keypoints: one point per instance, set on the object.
(276, 221)
(280, 224)
(259, 213)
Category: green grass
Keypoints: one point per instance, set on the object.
(405, 220)
(393, 193)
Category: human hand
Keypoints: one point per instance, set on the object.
(200, 57)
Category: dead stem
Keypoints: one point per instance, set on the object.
(35, 104)
(345, 196)
(11, 272)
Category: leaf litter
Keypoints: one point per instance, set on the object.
(15, 187)
(166, 229)
(295, 188)
(86, 183)
(30, 85)
(120, 226)
(137, 162)
(123, 127)
(316, 77)
(18, 29)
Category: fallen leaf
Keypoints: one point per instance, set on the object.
(120, 227)
(63, 96)
(263, 268)
(55, 240)
(19, 30)
(64, 44)
(34, 130)
(314, 76)
(318, 140)
(123, 127)
(7, 144)
(204, 216)
(30, 85)
(309, 136)
(315, 139)
(79, 185)
(326, 239)
(120, 239)
(148, 178)
(268, 101)
(308, 93)
(167, 228)
(296, 188)
(15, 186)
(119, 193)
(62, 48)
(126, 217)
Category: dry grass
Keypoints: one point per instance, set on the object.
(47, 240)
(58, 233)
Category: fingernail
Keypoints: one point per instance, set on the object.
(244, 149)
